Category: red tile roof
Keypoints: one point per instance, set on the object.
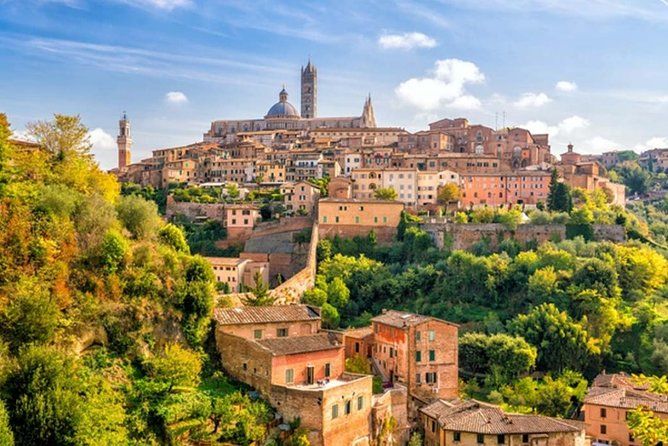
(403, 319)
(300, 344)
(259, 315)
(620, 390)
(482, 418)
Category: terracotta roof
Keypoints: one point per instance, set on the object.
(619, 390)
(482, 418)
(357, 200)
(272, 313)
(300, 344)
(358, 332)
(403, 319)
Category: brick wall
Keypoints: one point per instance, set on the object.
(245, 361)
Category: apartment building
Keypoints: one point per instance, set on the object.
(512, 187)
(417, 351)
(300, 197)
(237, 272)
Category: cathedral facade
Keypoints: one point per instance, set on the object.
(284, 116)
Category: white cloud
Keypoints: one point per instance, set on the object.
(406, 41)
(567, 125)
(22, 135)
(176, 97)
(445, 88)
(656, 142)
(575, 122)
(167, 5)
(566, 86)
(600, 144)
(101, 140)
(532, 100)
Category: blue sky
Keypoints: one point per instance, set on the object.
(591, 72)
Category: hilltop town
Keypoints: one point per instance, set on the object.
(306, 280)
(272, 201)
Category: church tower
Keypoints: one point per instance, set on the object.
(309, 91)
(368, 116)
(124, 141)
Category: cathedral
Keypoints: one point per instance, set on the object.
(284, 115)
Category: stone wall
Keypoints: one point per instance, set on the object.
(465, 235)
(292, 289)
(393, 402)
(384, 234)
(212, 211)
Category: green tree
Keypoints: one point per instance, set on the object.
(31, 316)
(416, 439)
(385, 193)
(175, 366)
(559, 197)
(358, 364)
(6, 434)
(173, 236)
(259, 294)
(448, 193)
(138, 216)
(338, 293)
(647, 428)
(507, 355)
(330, 316)
(561, 342)
(65, 135)
(114, 251)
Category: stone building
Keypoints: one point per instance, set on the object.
(279, 351)
(474, 423)
(608, 402)
(300, 197)
(420, 352)
(504, 188)
(237, 272)
(351, 217)
(124, 142)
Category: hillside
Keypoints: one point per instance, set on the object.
(104, 313)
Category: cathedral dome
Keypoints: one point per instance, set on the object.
(282, 109)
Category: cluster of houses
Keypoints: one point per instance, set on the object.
(283, 352)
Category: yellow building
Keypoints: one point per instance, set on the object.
(353, 217)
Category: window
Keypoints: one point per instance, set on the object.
(347, 408)
(327, 370)
(604, 412)
(432, 355)
(257, 334)
(525, 438)
(500, 439)
(335, 411)
(418, 335)
(391, 352)
(324, 219)
(456, 437)
(480, 439)
(281, 332)
(310, 374)
(418, 356)
(417, 378)
(289, 376)
(357, 220)
(357, 347)
(360, 402)
(604, 429)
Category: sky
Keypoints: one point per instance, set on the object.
(590, 72)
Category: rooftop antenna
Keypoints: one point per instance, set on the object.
(125, 115)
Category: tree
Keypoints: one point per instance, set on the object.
(31, 316)
(260, 295)
(330, 316)
(6, 434)
(416, 439)
(358, 364)
(385, 193)
(175, 366)
(559, 197)
(448, 193)
(647, 428)
(508, 356)
(139, 216)
(63, 136)
(561, 342)
(338, 293)
(173, 236)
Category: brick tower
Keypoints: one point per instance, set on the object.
(124, 141)
(309, 91)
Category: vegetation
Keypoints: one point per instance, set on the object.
(104, 312)
(385, 193)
